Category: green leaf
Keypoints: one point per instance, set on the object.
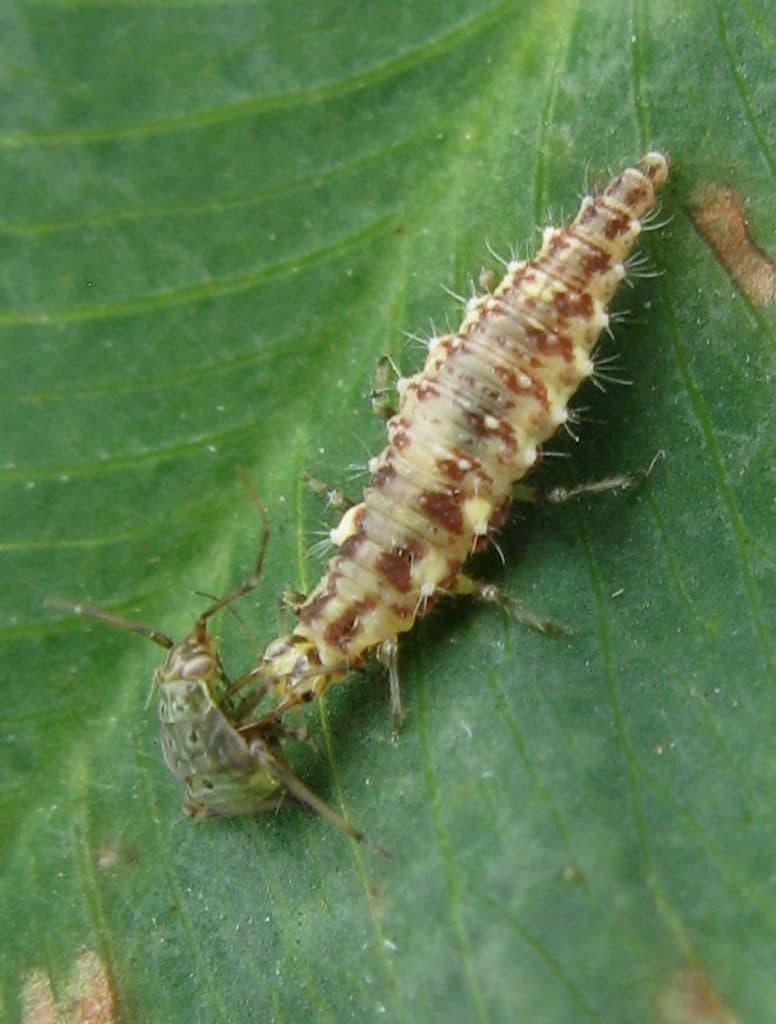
(216, 218)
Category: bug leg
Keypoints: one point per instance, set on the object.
(383, 392)
(490, 594)
(388, 656)
(278, 770)
(559, 495)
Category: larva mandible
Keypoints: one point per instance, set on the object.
(469, 426)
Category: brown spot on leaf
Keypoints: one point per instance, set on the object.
(690, 999)
(719, 216)
(88, 998)
(109, 856)
(38, 1006)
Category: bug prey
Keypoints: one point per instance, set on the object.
(226, 768)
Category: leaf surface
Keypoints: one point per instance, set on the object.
(216, 219)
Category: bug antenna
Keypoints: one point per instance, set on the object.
(117, 621)
(250, 584)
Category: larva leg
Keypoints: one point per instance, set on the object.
(383, 396)
(334, 497)
(271, 725)
(388, 655)
(289, 601)
(489, 593)
(559, 495)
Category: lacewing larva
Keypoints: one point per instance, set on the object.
(470, 425)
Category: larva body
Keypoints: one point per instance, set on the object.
(469, 426)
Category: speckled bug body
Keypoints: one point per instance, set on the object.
(225, 770)
(470, 425)
(223, 774)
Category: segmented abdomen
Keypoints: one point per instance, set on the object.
(472, 423)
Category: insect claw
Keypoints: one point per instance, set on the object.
(85, 611)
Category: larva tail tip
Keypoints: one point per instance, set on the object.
(655, 167)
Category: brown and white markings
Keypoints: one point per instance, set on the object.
(469, 426)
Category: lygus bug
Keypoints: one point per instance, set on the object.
(228, 764)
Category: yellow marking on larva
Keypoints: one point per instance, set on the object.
(476, 515)
(347, 526)
(430, 568)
